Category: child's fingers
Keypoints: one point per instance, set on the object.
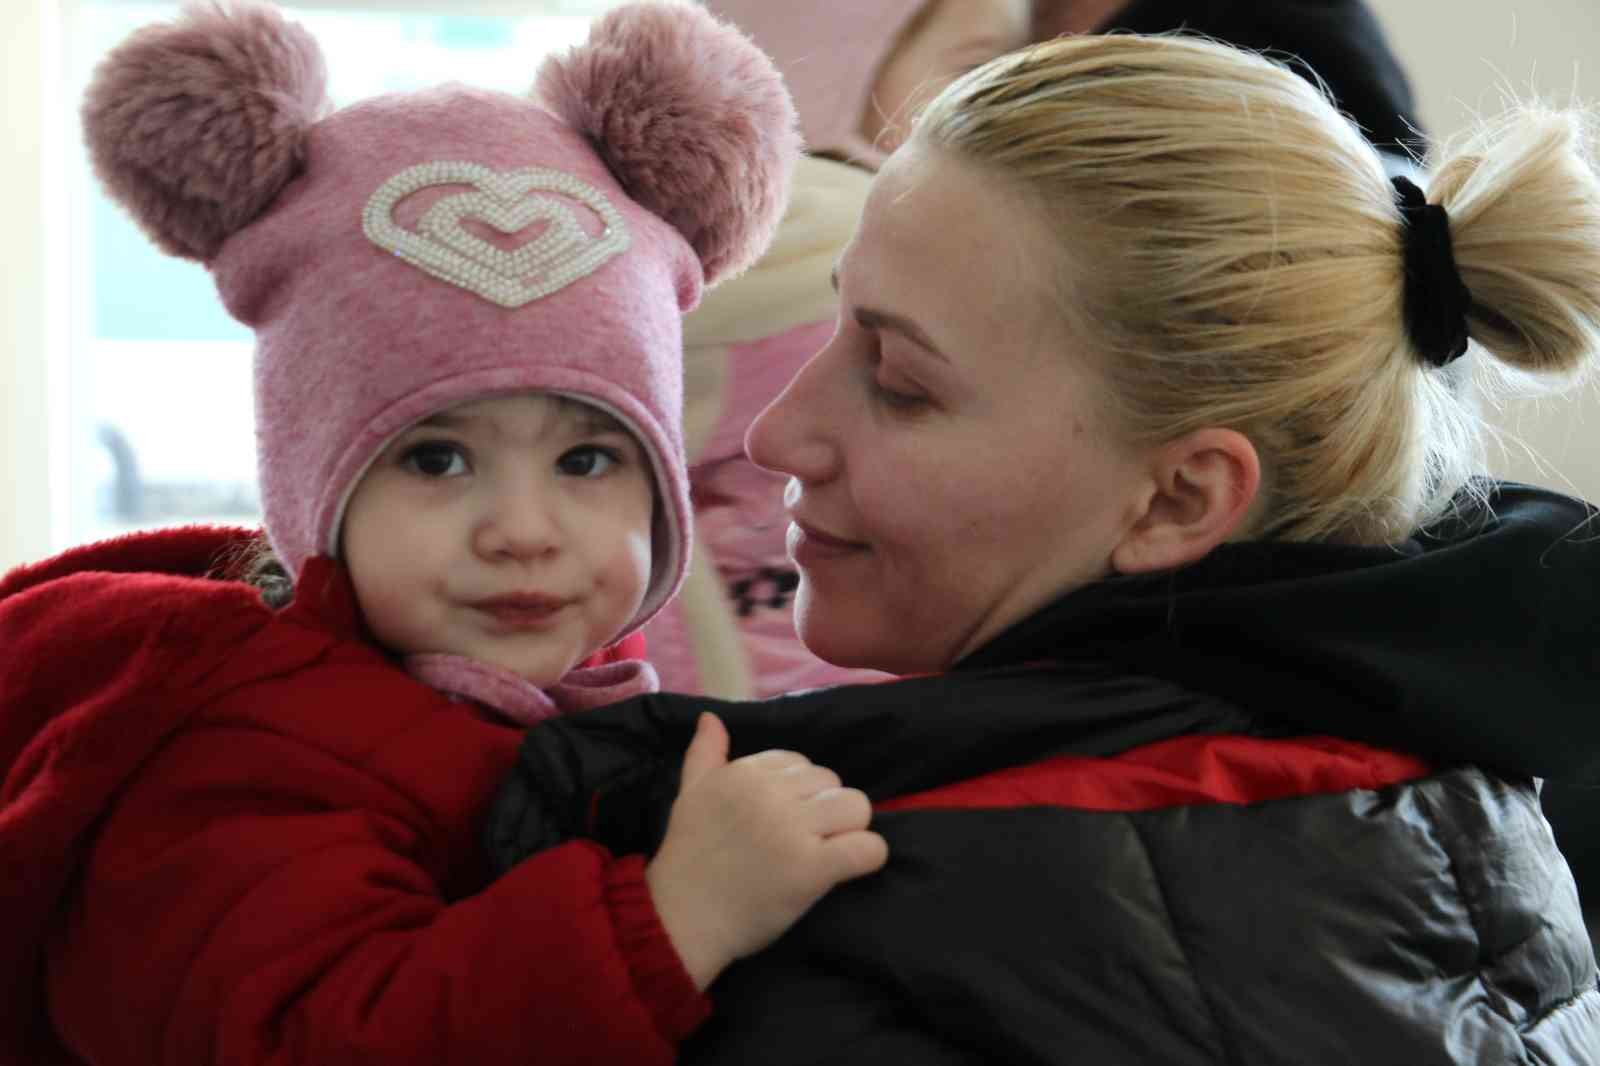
(707, 750)
(803, 781)
(775, 759)
(839, 810)
(853, 854)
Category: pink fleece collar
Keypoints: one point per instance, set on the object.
(521, 702)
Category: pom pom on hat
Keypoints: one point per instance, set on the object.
(197, 125)
(688, 116)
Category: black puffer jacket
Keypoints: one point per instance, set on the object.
(1424, 922)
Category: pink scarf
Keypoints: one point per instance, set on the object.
(517, 700)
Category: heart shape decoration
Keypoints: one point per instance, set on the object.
(509, 201)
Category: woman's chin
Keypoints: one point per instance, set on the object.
(852, 644)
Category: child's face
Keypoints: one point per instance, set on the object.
(513, 530)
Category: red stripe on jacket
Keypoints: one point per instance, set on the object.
(1182, 771)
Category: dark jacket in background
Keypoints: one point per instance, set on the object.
(1335, 43)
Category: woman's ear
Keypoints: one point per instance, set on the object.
(1203, 485)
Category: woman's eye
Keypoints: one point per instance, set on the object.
(897, 400)
(435, 458)
(588, 460)
(893, 397)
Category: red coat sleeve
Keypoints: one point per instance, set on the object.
(271, 889)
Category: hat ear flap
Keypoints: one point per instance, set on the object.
(196, 125)
(691, 117)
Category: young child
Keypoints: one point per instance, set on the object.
(239, 835)
(857, 71)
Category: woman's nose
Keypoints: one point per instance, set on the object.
(518, 524)
(796, 434)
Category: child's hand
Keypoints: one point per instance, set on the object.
(750, 846)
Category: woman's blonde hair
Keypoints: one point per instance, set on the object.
(1231, 255)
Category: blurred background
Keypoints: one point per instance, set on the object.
(124, 387)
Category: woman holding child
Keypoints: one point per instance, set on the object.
(1140, 433)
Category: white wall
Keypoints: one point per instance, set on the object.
(1461, 56)
(24, 314)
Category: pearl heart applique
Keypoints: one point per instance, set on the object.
(442, 247)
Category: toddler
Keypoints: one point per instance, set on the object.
(239, 833)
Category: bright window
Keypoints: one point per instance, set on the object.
(157, 390)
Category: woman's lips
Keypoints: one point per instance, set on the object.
(808, 545)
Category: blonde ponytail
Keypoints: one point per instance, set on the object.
(1524, 209)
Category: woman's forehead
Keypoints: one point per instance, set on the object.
(943, 244)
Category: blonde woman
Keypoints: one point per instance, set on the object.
(1142, 434)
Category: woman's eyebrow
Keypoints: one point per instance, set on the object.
(888, 320)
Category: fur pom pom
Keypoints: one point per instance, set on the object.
(692, 118)
(196, 125)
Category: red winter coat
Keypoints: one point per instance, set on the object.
(239, 836)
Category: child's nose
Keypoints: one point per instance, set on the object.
(518, 525)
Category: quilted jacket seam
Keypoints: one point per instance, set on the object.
(1554, 1008)
(1230, 1054)
(1497, 998)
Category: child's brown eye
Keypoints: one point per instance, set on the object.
(588, 460)
(435, 458)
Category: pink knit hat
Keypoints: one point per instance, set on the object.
(413, 252)
(830, 55)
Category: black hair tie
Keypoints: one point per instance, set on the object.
(1436, 299)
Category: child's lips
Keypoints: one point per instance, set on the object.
(523, 610)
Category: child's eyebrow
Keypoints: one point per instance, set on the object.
(588, 419)
(601, 424)
(578, 417)
(446, 420)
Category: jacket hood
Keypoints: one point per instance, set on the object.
(1473, 641)
(76, 623)
(92, 638)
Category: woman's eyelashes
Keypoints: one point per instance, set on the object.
(891, 388)
(894, 398)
